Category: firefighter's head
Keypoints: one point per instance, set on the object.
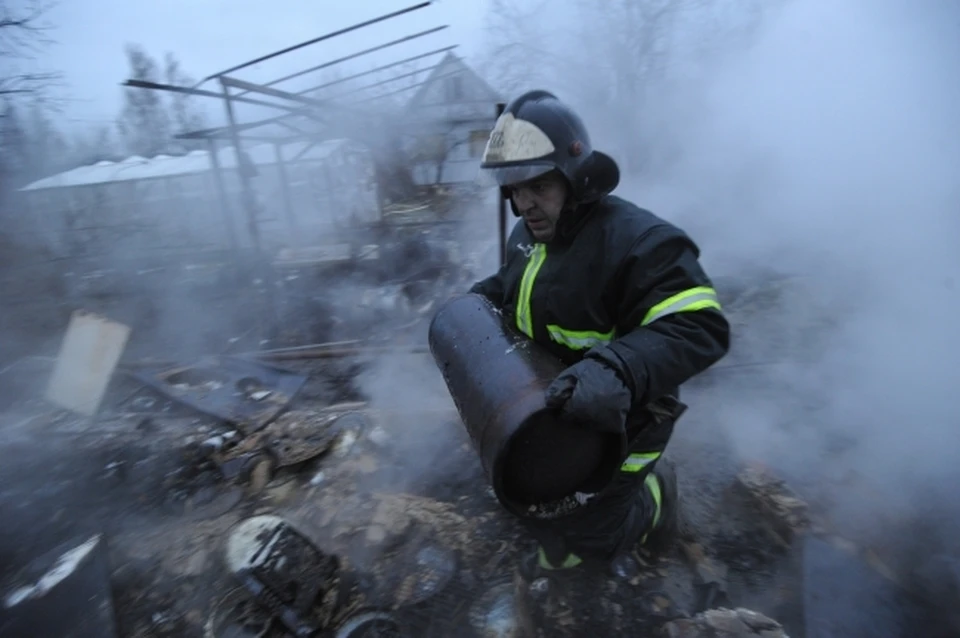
(540, 155)
(540, 201)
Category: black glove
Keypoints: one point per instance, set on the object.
(592, 392)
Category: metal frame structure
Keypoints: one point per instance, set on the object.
(297, 107)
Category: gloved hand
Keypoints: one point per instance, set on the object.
(591, 392)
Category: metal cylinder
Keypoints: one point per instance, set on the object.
(497, 379)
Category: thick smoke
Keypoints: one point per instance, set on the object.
(408, 390)
(826, 151)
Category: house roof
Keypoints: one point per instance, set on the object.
(138, 168)
(449, 66)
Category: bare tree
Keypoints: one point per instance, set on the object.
(144, 122)
(30, 144)
(94, 145)
(23, 34)
(526, 45)
(186, 117)
(616, 62)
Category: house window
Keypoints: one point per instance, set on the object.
(454, 88)
(478, 142)
(432, 147)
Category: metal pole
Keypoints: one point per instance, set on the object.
(287, 200)
(222, 196)
(377, 69)
(502, 207)
(326, 36)
(185, 90)
(386, 81)
(352, 56)
(262, 268)
(246, 191)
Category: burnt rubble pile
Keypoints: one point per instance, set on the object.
(442, 562)
(725, 623)
(399, 538)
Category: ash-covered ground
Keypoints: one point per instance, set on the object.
(377, 469)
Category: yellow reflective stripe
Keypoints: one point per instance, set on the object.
(639, 460)
(578, 339)
(524, 315)
(653, 485)
(698, 298)
(572, 560)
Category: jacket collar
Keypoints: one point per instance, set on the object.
(572, 221)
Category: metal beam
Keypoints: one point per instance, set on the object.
(501, 208)
(355, 55)
(225, 209)
(321, 38)
(282, 120)
(250, 87)
(246, 189)
(304, 150)
(291, 127)
(287, 199)
(154, 86)
(387, 81)
(406, 88)
(377, 69)
(224, 131)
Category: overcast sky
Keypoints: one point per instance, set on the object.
(211, 35)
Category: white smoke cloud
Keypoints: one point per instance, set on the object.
(840, 117)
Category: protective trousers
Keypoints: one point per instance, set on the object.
(621, 515)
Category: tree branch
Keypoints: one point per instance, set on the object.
(22, 36)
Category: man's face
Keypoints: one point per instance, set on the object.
(540, 202)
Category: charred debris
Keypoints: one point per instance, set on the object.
(328, 489)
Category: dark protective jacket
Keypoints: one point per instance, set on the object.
(618, 275)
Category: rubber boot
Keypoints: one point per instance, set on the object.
(661, 485)
(540, 561)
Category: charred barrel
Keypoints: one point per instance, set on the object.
(497, 379)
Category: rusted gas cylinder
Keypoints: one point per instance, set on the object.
(497, 379)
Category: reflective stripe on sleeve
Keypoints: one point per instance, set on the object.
(524, 314)
(578, 339)
(639, 460)
(698, 298)
(652, 484)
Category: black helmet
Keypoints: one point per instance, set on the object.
(536, 134)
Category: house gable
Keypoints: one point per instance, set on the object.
(453, 90)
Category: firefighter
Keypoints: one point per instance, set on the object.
(616, 293)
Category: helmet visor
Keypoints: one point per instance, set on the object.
(511, 175)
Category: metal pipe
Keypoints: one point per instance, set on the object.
(502, 207)
(497, 379)
(406, 88)
(377, 69)
(264, 270)
(379, 47)
(287, 200)
(246, 191)
(222, 196)
(321, 38)
(156, 86)
(388, 80)
(228, 132)
(251, 87)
